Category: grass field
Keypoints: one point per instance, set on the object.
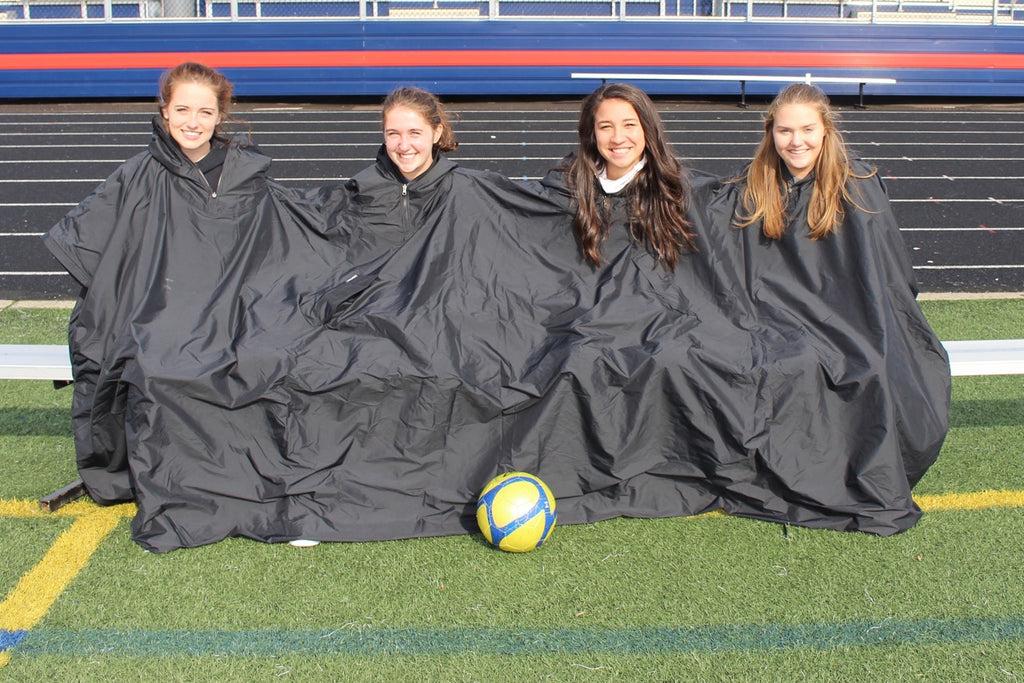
(704, 598)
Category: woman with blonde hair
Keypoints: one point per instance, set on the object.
(801, 138)
(857, 381)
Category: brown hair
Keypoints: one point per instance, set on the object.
(193, 72)
(426, 105)
(659, 192)
(765, 198)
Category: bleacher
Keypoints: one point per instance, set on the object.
(892, 11)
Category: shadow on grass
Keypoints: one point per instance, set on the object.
(35, 422)
(986, 413)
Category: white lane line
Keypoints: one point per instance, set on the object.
(968, 229)
(142, 119)
(973, 267)
(22, 206)
(460, 157)
(940, 200)
(286, 178)
(983, 228)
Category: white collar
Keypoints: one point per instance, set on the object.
(613, 186)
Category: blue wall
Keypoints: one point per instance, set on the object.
(504, 57)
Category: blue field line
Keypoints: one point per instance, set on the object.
(516, 641)
(8, 639)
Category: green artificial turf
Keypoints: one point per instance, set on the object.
(707, 598)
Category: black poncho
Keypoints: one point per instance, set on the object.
(187, 306)
(483, 343)
(856, 384)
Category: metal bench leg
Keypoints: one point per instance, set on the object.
(58, 499)
(860, 96)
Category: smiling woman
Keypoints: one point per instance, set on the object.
(858, 382)
(416, 128)
(191, 116)
(164, 251)
(195, 100)
(800, 137)
(624, 161)
(798, 133)
(620, 137)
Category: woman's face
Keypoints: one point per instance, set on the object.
(619, 135)
(798, 133)
(409, 139)
(191, 117)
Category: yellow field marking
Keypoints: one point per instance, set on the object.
(978, 500)
(30, 600)
(80, 508)
(971, 501)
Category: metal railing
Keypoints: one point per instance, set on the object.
(870, 11)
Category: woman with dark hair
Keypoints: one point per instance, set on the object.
(857, 382)
(672, 379)
(622, 145)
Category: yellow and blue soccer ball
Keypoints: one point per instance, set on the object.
(516, 512)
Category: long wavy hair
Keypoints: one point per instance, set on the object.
(658, 193)
(194, 72)
(427, 106)
(765, 198)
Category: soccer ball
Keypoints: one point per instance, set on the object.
(516, 512)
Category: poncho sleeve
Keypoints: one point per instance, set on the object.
(79, 239)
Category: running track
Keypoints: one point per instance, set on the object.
(954, 170)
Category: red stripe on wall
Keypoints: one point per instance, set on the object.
(515, 58)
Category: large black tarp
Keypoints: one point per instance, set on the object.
(358, 363)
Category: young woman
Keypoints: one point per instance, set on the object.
(858, 382)
(382, 206)
(801, 145)
(189, 258)
(663, 327)
(428, 330)
(416, 129)
(624, 160)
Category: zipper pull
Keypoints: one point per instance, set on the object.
(405, 189)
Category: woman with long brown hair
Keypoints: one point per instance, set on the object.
(624, 159)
